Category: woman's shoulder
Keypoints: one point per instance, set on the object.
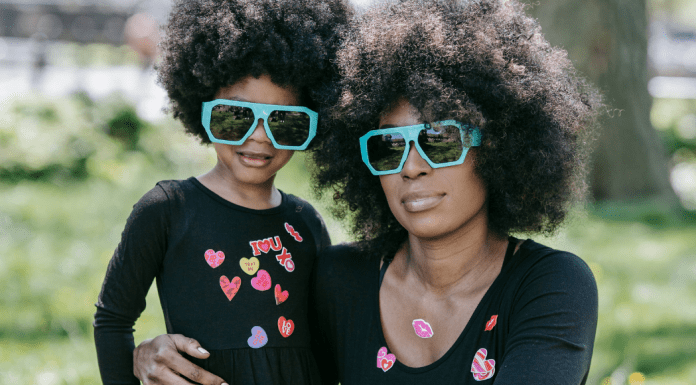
(541, 268)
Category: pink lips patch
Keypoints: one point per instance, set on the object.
(422, 328)
(213, 258)
(385, 361)
(481, 368)
(230, 288)
(262, 281)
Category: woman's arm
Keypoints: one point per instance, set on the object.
(552, 326)
(158, 361)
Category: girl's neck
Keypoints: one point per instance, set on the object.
(259, 196)
(465, 261)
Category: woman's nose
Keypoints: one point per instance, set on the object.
(415, 165)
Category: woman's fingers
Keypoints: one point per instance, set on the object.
(158, 361)
(188, 346)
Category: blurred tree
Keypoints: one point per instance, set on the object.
(607, 41)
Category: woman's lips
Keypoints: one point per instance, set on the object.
(414, 203)
(254, 159)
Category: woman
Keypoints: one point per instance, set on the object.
(455, 125)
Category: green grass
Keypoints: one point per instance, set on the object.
(57, 236)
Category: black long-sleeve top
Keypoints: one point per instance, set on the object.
(233, 278)
(535, 325)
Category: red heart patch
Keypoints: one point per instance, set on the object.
(262, 281)
(230, 288)
(286, 327)
(214, 259)
(265, 245)
(386, 364)
(280, 296)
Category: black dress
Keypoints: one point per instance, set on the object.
(235, 279)
(535, 325)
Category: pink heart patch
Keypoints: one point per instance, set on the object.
(280, 296)
(262, 281)
(481, 368)
(285, 326)
(214, 259)
(230, 288)
(385, 361)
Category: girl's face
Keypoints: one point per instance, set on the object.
(255, 161)
(432, 203)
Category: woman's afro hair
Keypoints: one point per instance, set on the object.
(210, 44)
(482, 62)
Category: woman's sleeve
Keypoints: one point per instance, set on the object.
(319, 321)
(130, 273)
(552, 325)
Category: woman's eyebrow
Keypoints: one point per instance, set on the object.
(386, 126)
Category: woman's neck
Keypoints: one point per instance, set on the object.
(466, 261)
(259, 196)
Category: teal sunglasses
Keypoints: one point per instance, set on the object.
(232, 122)
(441, 144)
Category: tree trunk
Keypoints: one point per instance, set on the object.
(607, 42)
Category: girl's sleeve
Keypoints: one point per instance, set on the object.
(552, 326)
(130, 273)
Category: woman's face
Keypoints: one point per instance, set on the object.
(432, 203)
(255, 161)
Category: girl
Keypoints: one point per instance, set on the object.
(231, 254)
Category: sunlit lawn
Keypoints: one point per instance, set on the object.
(56, 239)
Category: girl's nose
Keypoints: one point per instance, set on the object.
(259, 134)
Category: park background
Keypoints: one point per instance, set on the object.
(83, 136)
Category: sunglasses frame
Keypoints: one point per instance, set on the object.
(410, 134)
(261, 111)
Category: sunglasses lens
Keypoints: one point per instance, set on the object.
(230, 122)
(385, 151)
(289, 128)
(443, 143)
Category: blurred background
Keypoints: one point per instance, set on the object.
(83, 137)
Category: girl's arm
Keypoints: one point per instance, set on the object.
(133, 267)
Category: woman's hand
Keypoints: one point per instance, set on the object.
(157, 361)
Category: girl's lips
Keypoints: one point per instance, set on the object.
(254, 159)
(420, 202)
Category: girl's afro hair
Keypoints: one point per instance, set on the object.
(482, 62)
(210, 44)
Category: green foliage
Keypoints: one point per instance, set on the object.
(57, 235)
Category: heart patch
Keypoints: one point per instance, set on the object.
(385, 361)
(258, 337)
(265, 245)
(285, 326)
(230, 288)
(262, 281)
(280, 296)
(249, 266)
(481, 368)
(422, 328)
(213, 258)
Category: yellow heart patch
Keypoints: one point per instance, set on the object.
(249, 266)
